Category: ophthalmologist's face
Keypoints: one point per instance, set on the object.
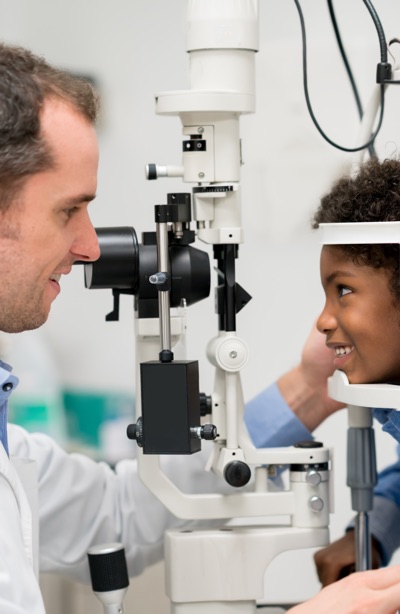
(361, 319)
(47, 226)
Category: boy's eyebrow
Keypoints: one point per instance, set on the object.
(339, 273)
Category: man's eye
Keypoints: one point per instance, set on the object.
(70, 212)
(343, 290)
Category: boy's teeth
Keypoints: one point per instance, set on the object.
(343, 349)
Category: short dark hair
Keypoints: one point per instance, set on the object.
(26, 81)
(370, 195)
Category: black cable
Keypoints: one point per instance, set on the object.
(371, 147)
(310, 110)
(344, 58)
(379, 29)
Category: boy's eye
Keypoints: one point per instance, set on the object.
(343, 290)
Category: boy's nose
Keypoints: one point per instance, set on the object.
(326, 321)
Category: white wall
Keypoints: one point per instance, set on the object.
(136, 48)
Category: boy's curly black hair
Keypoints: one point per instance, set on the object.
(372, 195)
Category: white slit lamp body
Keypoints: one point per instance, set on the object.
(213, 569)
(221, 569)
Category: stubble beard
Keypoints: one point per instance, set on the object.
(17, 317)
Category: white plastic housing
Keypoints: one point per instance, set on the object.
(364, 395)
(222, 24)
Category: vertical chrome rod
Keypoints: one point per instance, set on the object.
(363, 542)
(163, 296)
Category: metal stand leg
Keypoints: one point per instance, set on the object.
(363, 542)
(361, 478)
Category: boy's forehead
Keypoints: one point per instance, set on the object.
(335, 261)
(334, 254)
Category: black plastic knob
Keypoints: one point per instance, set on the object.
(309, 444)
(209, 431)
(205, 404)
(237, 473)
(108, 569)
(135, 431)
(151, 171)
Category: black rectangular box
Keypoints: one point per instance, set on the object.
(170, 406)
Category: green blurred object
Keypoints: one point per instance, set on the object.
(87, 413)
(44, 415)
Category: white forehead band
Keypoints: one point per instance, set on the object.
(359, 232)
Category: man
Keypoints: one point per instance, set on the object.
(48, 168)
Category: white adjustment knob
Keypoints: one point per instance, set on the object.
(313, 477)
(316, 504)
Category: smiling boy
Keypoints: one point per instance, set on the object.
(356, 295)
(362, 282)
(361, 321)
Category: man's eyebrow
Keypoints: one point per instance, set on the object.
(79, 199)
(338, 273)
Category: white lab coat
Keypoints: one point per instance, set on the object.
(19, 591)
(81, 503)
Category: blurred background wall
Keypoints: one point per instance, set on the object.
(134, 49)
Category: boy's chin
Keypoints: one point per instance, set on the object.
(354, 378)
(357, 378)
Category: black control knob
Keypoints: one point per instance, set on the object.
(135, 431)
(237, 473)
(308, 444)
(107, 565)
(205, 404)
(151, 171)
(209, 431)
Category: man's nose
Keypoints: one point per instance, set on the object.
(86, 246)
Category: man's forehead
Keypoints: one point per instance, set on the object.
(71, 139)
(60, 119)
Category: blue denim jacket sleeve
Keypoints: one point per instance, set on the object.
(390, 420)
(270, 421)
(385, 517)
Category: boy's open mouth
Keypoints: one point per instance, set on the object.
(341, 350)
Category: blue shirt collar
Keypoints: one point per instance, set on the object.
(7, 384)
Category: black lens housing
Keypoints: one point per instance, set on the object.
(125, 265)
